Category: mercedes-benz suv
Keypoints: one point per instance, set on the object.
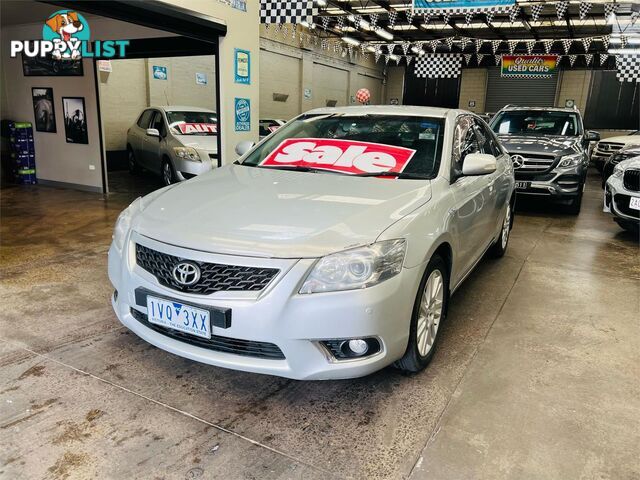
(549, 149)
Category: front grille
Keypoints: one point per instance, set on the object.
(606, 149)
(631, 180)
(214, 277)
(622, 205)
(236, 346)
(535, 163)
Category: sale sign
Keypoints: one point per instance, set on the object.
(529, 66)
(344, 156)
(195, 128)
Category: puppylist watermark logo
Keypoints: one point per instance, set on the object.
(66, 36)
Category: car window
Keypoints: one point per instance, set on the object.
(422, 136)
(158, 124)
(192, 123)
(145, 118)
(536, 122)
(487, 141)
(465, 142)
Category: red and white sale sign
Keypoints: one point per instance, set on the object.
(344, 156)
(190, 128)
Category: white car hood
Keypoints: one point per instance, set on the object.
(249, 211)
(626, 139)
(208, 143)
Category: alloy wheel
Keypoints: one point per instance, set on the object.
(430, 312)
(506, 227)
(167, 174)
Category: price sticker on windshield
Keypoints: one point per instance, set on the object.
(345, 156)
(191, 128)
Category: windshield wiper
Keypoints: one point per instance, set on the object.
(413, 176)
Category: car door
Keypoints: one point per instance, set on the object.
(474, 208)
(138, 132)
(152, 156)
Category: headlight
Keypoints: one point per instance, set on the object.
(618, 171)
(570, 160)
(188, 153)
(357, 268)
(123, 224)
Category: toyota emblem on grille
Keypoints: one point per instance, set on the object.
(186, 273)
(518, 161)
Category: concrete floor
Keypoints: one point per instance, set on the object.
(537, 373)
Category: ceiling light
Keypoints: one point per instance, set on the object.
(321, 3)
(382, 33)
(624, 51)
(350, 41)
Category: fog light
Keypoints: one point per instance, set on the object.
(115, 295)
(358, 347)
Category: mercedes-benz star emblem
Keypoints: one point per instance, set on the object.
(518, 161)
(186, 273)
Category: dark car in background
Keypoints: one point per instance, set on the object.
(549, 149)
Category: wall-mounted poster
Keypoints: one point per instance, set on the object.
(51, 67)
(201, 78)
(43, 110)
(160, 73)
(242, 66)
(242, 114)
(75, 121)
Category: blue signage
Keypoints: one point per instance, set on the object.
(466, 4)
(243, 114)
(242, 66)
(160, 73)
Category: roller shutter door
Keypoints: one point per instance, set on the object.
(517, 91)
(279, 74)
(329, 84)
(373, 84)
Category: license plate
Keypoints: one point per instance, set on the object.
(522, 185)
(634, 203)
(178, 316)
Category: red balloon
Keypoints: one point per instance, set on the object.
(363, 95)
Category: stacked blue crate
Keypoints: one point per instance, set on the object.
(23, 153)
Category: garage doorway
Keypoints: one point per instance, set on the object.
(169, 89)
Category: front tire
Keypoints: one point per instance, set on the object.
(168, 174)
(428, 314)
(134, 169)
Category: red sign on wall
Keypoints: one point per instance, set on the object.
(344, 156)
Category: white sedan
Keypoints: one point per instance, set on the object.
(329, 250)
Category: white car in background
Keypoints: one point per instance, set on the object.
(329, 250)
(622, 194)
(175, 142)
(269, 125)
(607, 147)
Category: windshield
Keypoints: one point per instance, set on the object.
(536, 122)
(192, 123)
(355, 144)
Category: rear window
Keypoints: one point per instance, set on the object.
(422, 137)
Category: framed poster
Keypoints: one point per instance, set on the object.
(242, 66)
(160, 73)
(51, 67)
(242, 114)
(43, 110)
(75, 120)
(529, 66)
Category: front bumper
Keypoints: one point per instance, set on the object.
(295, 323)
(559, 184)
(616, 201)
(186, 169)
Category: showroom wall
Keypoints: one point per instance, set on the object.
(295, 79)
(130, 88)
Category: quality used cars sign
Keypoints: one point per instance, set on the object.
(344, 156)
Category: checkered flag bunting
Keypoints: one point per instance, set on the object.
(373, 21)
(512, 46)
(325, 23)
(438, 65)
(340, 22)
(480, 57)
(628, 68)
(585, 8)
(405, 47)
(449, 42)
(623, 41)
(610, 9)
(586, 43)
(479, 42)
(357, 20)
(495, 45)
(490, 14)
(408, 59)
(287, 11)
(446, 17)
(464, 42)
(588, 58)
(530, 46)
(605, 41)
(498, 59)
(468, 18)
(409, 14)
(566, 45)
(572, 59)
(393, 16)
(514, 13)
(548, 44)
(467, 59)
(603, 57)
(536, 10)
(433, 45)
(561, 9)
(428, 16)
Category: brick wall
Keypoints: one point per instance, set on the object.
(473, 88)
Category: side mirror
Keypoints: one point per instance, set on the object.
(243, 147)
(592, 136)
(153, 132)
(479, 164)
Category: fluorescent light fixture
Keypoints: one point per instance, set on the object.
(417, 50)
(625, 51)
(350, 41)
(630, 41)
(382, 33)
(393, 57)
(321, 3)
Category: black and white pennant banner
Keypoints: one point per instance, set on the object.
(585, 8)
(439, 65)
(628, 68)
(536, 10)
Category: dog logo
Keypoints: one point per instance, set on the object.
(67, 30)
(518, 161)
